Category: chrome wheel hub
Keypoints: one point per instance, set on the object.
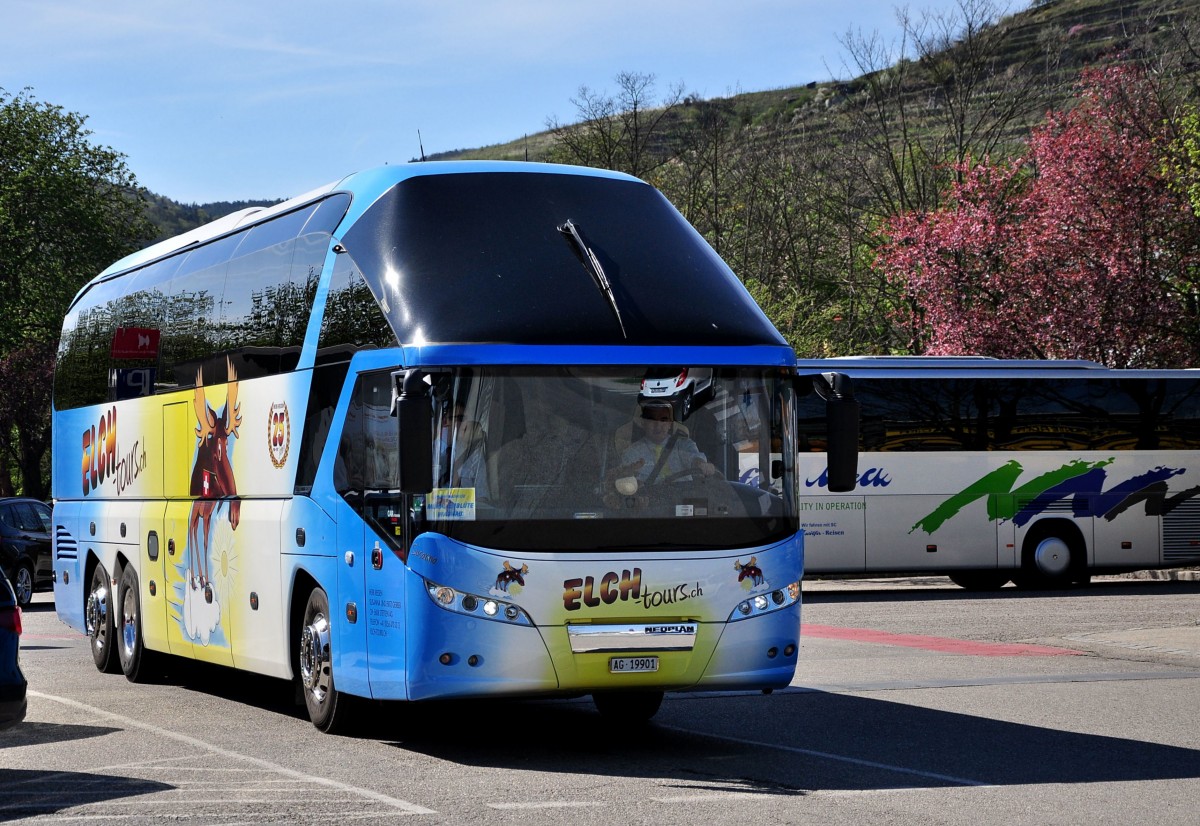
(1052, 557)
(96, 613)
(314, 657)
(129, 623)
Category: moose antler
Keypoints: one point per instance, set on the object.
(233, 410)
(204, 425)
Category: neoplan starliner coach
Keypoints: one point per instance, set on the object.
(396, 439)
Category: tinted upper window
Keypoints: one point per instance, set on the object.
(933, 414)
(480, 257)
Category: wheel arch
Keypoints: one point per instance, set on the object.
(303, 584)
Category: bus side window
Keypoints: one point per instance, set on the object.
(327, 381)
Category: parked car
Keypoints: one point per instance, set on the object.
(688, 387)
(25, 545)
(12, 680)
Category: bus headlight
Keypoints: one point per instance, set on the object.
(474, 605)
(761, 604)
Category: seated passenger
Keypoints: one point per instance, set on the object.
(468, 467)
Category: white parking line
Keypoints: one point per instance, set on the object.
(549, 804)
(128, 722)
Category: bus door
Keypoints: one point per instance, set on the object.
(834, 529)
(371, 527)
(1007, 555)
(172, 570)
(349, 604)
(152, 577)
(386, 572)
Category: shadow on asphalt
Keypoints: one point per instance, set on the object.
(785, 744)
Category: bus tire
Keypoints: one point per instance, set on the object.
(329, 709)
(1052, 556)
(980, 580)
(98, 619)
(136, 662)
(628, 706)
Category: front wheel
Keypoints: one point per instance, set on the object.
(328, 709)
(1052, 557)
(98, 619)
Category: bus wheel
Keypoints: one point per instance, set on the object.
(1049, 559)
(328, 709)
(980, 580)
(628, 706)
(99, 621)
(135, 659)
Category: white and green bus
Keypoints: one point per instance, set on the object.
(1040, 472)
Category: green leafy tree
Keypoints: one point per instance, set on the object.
(68, 209)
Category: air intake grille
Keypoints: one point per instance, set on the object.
(1181, 533)
(65, 546)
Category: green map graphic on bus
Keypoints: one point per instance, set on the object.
(1080, 481)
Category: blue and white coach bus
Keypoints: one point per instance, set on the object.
(433, 431)
(1042, 472)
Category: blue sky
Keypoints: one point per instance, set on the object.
(220, 100)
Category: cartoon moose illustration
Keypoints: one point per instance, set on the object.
(510, 575)
(750, 570)
(212, 475)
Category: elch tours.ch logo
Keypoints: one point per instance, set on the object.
(102, 459)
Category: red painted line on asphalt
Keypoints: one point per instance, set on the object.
(946, 645)
(27, 637)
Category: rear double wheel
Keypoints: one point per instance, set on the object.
(136, 662)
(98, 620)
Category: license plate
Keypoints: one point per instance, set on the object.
(630, 665)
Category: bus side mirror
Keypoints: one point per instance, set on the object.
(414, 415)
(841, 422)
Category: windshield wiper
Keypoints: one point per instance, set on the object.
(592, 264)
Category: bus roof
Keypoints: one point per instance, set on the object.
(365, 186)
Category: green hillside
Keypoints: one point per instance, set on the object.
(1055, 36)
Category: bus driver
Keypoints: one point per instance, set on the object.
(664, 453)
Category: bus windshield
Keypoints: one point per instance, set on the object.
(653, 459)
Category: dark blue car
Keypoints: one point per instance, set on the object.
(12, 679)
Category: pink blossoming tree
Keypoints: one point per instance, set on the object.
(1077, 249)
